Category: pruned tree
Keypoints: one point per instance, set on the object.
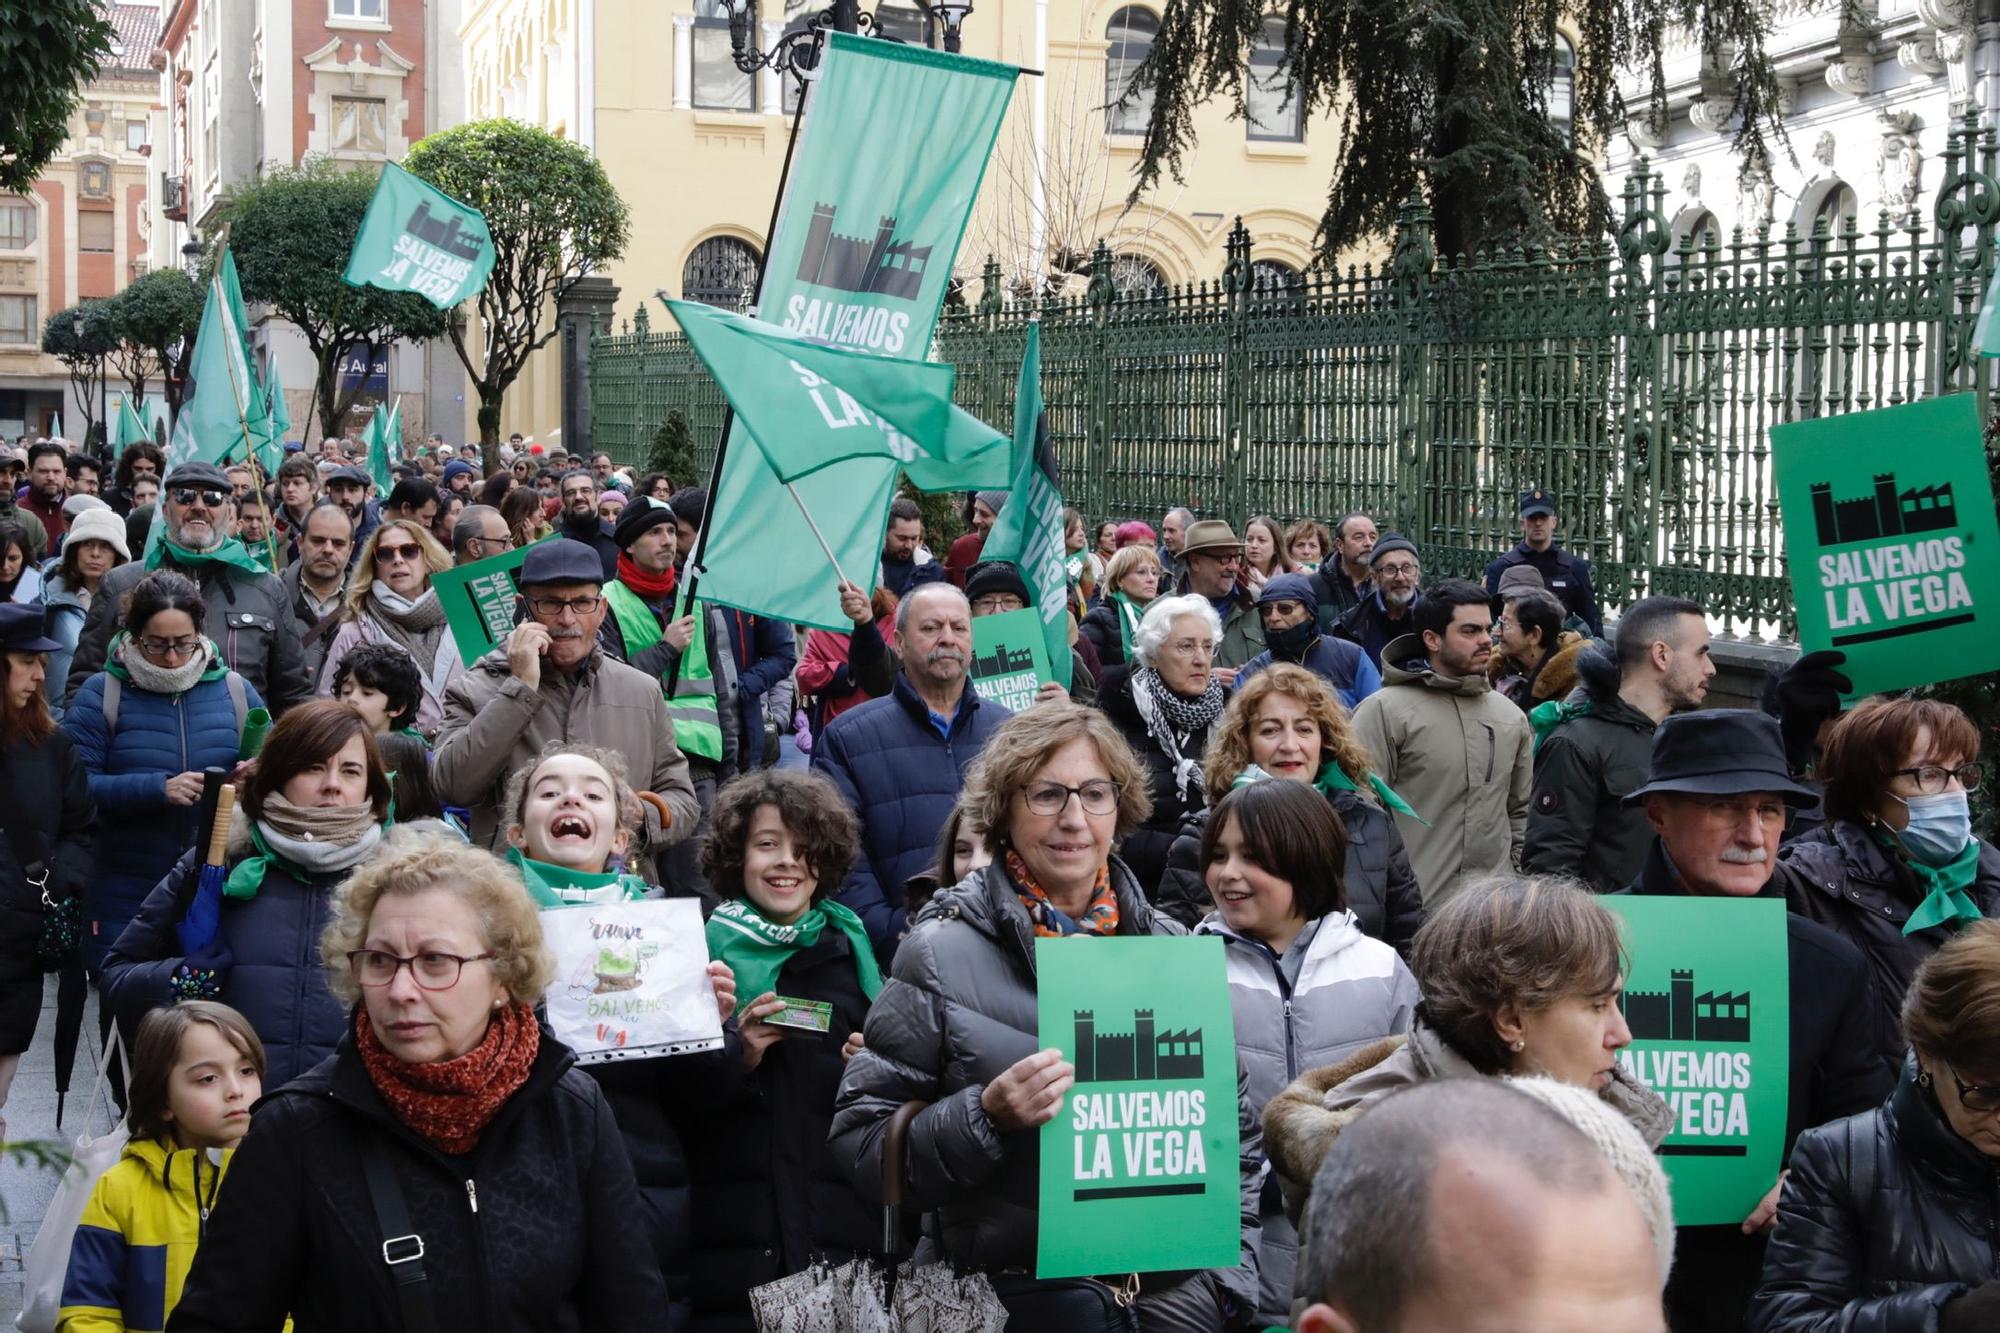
(290, 232)
(81, 338)
(151, 328)
(1452, 99)
(555, 219)
(48, 50)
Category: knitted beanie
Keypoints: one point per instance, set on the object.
(1622, 1147)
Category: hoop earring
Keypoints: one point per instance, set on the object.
(1923, 1077)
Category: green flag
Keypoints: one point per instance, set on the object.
(277, 421)
(380, 437)
(808, 405)
(130, 430)
(220, 394)
(860, 259)
(1029, 531)
(416, 238)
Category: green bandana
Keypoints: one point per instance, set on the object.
(559, 886)
(1129, 612)
(1332, 779)
(248, 876)
(757, 948)
(1946, 902)
(231, 552)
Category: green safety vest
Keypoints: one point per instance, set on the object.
(697, 729)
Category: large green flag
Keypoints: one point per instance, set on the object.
(809, 406)
(130, 429)
(1029, 530)
(383, 441)
(221, 394)
(860, 259)
(416, 238)
(277, 422)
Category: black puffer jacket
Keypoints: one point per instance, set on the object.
(531, 1231)
(1100, 626)
(1578, 822)
(46, 814)
(959, 1011)
(1145, 848)
(768, 1192)
(1841, 876)
(1886, 1218)
(1381, 887)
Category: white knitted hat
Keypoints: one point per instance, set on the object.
(1622, 1147)
(102, 525)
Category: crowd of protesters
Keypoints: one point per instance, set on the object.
(1394, 797)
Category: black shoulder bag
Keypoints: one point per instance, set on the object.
(402, 1247)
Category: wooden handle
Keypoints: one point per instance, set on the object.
(660, 807)
(225, 806)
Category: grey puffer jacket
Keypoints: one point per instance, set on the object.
(959, 1011)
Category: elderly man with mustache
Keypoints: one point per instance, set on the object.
(900, 760)
(550, 683)
(1717, 795)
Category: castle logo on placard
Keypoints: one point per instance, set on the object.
(1908, 576)
(1145, 1143)
(1676, 1036)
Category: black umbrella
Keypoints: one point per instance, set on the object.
(71, 988)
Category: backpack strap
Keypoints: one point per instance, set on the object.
(239, 699)
(402, 1247)
(114, 689)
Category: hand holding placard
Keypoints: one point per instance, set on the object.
(1030, 1093)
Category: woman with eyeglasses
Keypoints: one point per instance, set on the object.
(449, 1129)
(1887, 1219)
(315, 806)
(956, 1026)
(1163, 702)
(390, 600)
(165, 707)
(1895, 867)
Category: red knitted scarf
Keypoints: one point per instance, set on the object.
(450, 1102)
(651, 587)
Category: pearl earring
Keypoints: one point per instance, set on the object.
(1518, 1044)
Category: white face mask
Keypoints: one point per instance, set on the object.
(1939, 827)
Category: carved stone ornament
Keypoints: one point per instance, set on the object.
(1822, 149)
(1919, 55)
(1756, 193)
(1899, 164)
(1691, 181)
(1645, 133)
(1710, 114)
(1852, 75)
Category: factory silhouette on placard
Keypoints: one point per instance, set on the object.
(1679, 1014)
(1140, 1054)
(1886, 513)
(851, 264)
(1001, 661)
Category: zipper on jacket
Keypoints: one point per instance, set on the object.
(472, 1194)
(1291, 1043)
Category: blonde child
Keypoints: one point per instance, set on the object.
(196, 1068)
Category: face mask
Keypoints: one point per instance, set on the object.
(1939, 828)
(1290, 644)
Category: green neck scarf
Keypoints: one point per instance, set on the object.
(231, 552)
(559, 886)
(1129, 612)
(757, 948)
(1332, 779)
(1946, 902)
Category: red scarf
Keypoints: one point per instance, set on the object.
(650, 587)
(450, 1102)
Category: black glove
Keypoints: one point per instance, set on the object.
(201, 973)
(1804, 697)
(1975, 1312)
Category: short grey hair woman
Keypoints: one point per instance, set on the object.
(1163, 703)
(1052, 792)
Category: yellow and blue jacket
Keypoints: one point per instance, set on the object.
(137, 1238)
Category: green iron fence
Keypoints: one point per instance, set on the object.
(1636, 377)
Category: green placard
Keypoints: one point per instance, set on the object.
(1892, 541)
(478, 601)
(1708, 1000)
(1139, 1168)
(1010, 659)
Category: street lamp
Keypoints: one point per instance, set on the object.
(191, 256)
(951, 14)
(797, 51)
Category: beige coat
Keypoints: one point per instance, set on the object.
(1461, 755)
(493, 724)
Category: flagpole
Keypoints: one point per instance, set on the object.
(729, 413)
(243, 416)
(832, 559)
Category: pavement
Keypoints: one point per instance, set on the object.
(31, 1114)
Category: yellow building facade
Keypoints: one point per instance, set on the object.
(695, 147)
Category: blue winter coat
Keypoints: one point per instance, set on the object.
(1338, 662)
(765, 652)
(902, 778)
(159, 736)
(277, 980)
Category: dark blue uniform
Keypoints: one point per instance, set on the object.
(1567, 576)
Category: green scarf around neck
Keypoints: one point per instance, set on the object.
(1946, 902)
(1128, 611)
(1333, 778)
(231, 552)
(559, 886)
(757, 948)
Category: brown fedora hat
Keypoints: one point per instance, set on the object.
(1211, 536)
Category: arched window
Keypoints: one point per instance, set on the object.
(1274, 112)
(1137, 278)
(1130, 33)
(718, 84)
(1837, 207)
(1269, 277)
(1562, 88)
(1697, 232)
(722, 271)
